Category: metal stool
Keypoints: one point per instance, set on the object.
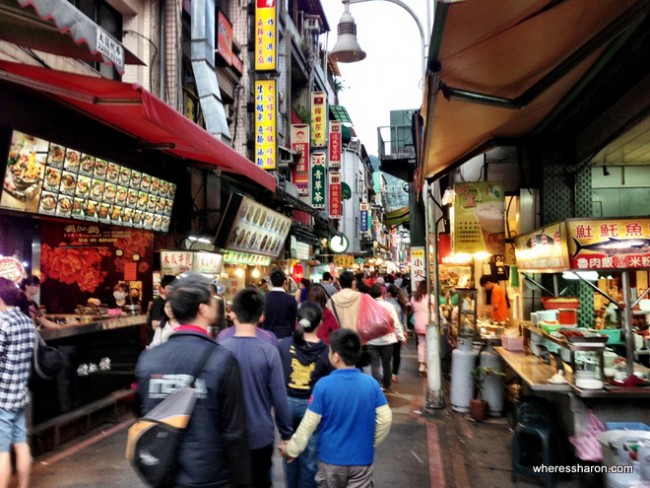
(533, 422)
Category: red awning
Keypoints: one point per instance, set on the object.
(133, 110)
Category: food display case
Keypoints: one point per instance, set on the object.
(467, 312)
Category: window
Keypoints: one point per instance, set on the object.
(110, 20)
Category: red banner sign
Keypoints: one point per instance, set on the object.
(224, 38)
(335, 145)
(336, 209)
(300, 143)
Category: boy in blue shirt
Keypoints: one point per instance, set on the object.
(353, 414)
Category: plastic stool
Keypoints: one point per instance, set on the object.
(537, 425)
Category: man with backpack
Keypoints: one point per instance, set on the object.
(213, 451)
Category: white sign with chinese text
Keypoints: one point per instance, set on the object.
(417, 265)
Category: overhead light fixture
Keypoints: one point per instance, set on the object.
(585, 275)
(255, 273)
(448, 197)
(347, 49)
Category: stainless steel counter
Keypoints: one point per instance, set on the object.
(75, 327)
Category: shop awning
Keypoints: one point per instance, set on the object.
(500, 69)
(131, 109)
(58, 27)
(397, 217)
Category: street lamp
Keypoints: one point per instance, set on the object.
(347, 49)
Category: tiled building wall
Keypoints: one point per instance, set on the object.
(241, 121)
(566, 193)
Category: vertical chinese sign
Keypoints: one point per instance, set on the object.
(300, 143)
(363, 218)
(336, 210)
(266, 34)
(318, 119)
(318, 179)
(417, 264)
(265, 124)
(335, 145)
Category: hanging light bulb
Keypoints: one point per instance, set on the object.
(255, 273)
(239, 272)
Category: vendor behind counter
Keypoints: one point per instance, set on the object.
(498, 303)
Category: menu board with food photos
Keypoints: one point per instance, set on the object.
(49, 179)
(251, 227)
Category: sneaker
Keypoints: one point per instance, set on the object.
(422, 368)
(394, 378)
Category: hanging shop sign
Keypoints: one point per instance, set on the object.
(614, 243)
(300, 143)
(344, 261)
(363, 218)
(318, 119)
(335, 145)
(49, 179)
(176, 262)
(336, 208)
(251, 227)
(235, 257)
(479, 224)
(346, 191)
(297, 272)
(11, 269)
(543, 250)
(224, 38)
(417, 264)
(207, 262)
(265, 124)
(299, 250)
(266, 33)
(318, 182)
(110, 48)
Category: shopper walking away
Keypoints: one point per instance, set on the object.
(222, 458)
(328, 283)
(345, 304)
(419, 305)
(318, 295)
(381, 349)
(304, 361)
(263, 381)
(301, 291)
(280, 308)
(400, 308)
(17, 336)
(353, 415)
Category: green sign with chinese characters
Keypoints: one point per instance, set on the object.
(318, 183)
(346, 191)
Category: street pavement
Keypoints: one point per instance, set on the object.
(442, 450)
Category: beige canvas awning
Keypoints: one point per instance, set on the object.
(498, 69)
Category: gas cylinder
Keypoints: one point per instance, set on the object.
(463, 361)
(492, 384)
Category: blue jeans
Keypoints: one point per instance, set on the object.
(301, 473)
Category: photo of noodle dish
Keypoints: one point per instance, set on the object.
(97, 188)
(121, 194)
(109, 192)
(132, 199)
(100, 168)
(71, 160)
(136, 176)
(65, 205)
(125, 176)
(113, 172)
(83, 186)
(56, 155)
(116, 212)
(48, 202)
(78, 206)
(91, 209)
(68, 183)
(52, 178)
(87, 165)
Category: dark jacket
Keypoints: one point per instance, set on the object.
(214, 448)
(280, 313)
(303, 365)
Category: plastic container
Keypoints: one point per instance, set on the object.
(554, 303)
(614, 445)
(512, 343)
(567, 316)
(548, 328)
(614, 334)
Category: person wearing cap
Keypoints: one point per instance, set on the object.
(280, 307)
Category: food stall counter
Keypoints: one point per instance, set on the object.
(77, 325)
(534, 372)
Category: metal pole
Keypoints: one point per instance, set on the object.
(627, 319)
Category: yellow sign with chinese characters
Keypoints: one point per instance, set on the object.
(265, 124)
(318, 119)
(344, 261)
(266, 34)
(417, 264)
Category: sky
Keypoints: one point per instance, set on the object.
(389, 77)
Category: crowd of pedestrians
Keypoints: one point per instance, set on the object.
(277, 362)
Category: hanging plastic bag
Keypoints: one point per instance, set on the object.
(373, 320)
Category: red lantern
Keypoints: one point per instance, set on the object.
(297, 272)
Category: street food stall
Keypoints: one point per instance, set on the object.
(581, 363)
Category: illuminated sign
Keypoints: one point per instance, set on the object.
(318, 119)
(300, 144)
(49, 179)
(479, 224)
(266, 33)
(544, 249)
(265, 124)
(232, 257)
(318, 182)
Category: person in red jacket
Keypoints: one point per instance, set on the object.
(318, 295)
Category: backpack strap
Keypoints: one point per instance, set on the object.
(198, 369)
(335, 312)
